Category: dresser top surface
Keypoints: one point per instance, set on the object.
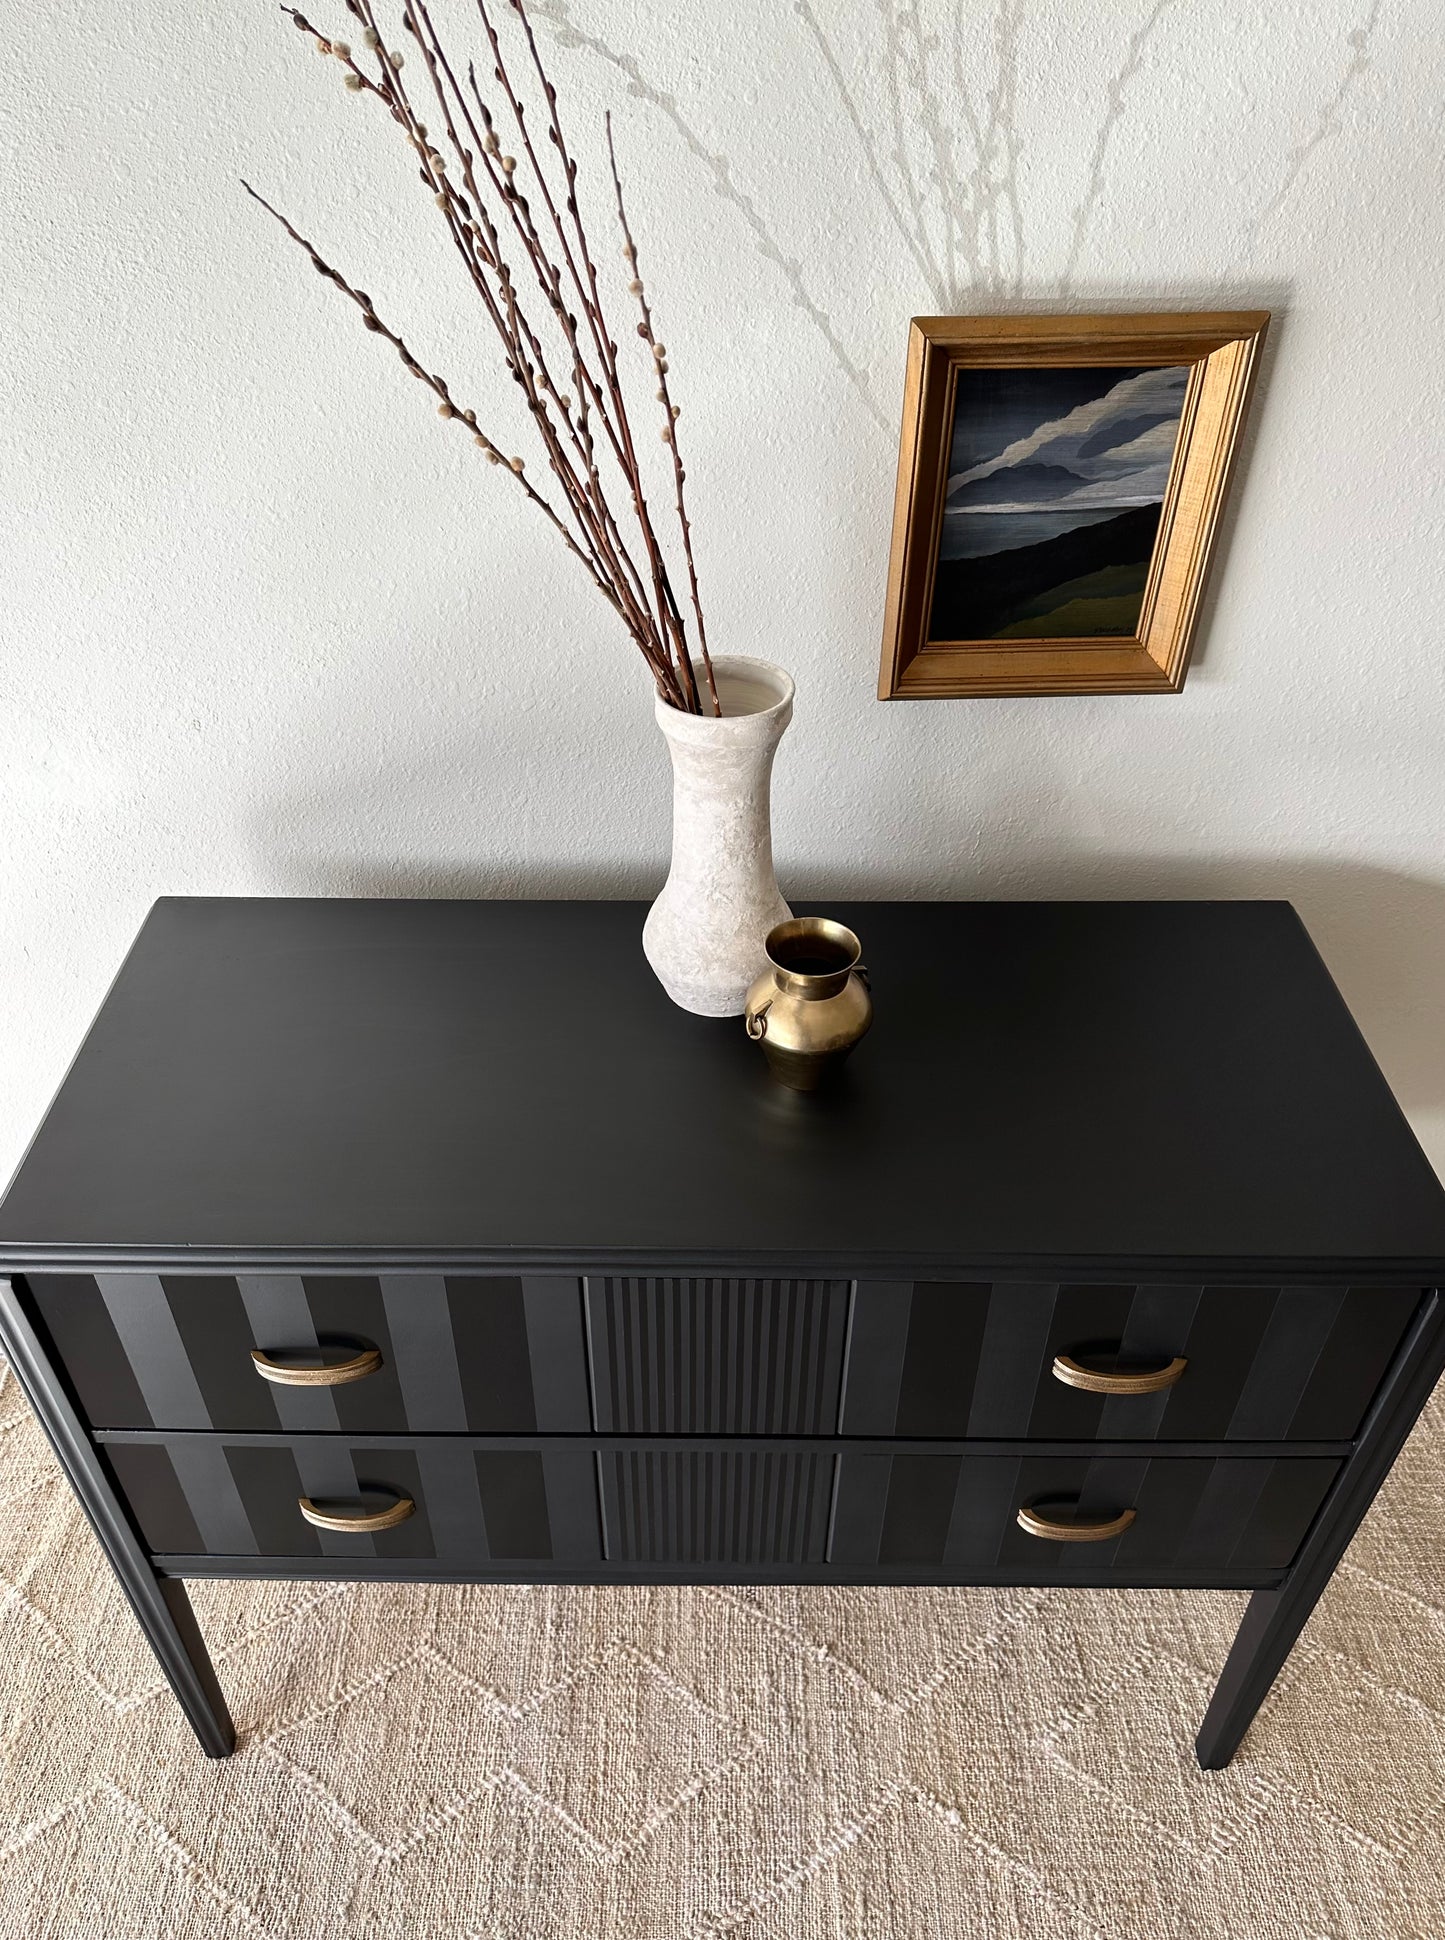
(1045, 1084)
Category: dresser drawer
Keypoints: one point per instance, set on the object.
(719, 1510)
(474, 1504)
(484, 1354)
(983, 1359)
(1222, 1521)
(694, 1355)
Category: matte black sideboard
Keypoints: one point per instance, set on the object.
(428, 1240)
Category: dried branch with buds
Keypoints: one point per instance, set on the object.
(557, 345)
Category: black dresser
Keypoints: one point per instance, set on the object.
(428, 1240)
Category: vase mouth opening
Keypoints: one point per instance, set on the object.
(746, 687)
(813, 955)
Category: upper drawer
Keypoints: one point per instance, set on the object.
(953, 1359)
(487, 1354)
(451, 1354)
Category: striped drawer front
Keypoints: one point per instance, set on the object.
(1231, 1519)
(471, 1353)
(956, 1359)
(207, 1495)
(717, 1357)
(768, 1506)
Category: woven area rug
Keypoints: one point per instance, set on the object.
(778, 1764)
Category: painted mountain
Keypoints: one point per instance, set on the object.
(1055, 481)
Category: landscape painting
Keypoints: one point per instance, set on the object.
(1056, 477)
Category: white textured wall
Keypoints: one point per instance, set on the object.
(270, 627)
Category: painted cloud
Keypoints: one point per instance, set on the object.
(1112, 451)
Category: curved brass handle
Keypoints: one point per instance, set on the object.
(335, 1374)
(1034, 1524)
(756, 1022)
(1149, 1380)
(368, 1523)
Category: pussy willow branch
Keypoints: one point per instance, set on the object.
(470, 223)
(486, 202)
(447, 409)
(480, 249)
(592, 308)
(671, 411)
(472, 231)
(585, 490)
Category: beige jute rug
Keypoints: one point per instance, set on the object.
(519, 1764)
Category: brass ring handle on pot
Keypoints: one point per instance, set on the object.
(756, 1022)
(323, 1374)
(1094, 1380)
(370, 1522)
(1034, 1523)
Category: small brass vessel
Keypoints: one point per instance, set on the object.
(811, 1005)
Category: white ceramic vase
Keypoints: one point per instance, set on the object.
(704, 935)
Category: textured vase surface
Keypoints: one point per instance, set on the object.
(705, 935)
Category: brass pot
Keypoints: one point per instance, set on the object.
(811, 1005)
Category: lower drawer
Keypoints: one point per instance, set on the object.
(821, 1510)
(472, 1503)
(1228, 1518)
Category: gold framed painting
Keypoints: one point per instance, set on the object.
(1060, 482)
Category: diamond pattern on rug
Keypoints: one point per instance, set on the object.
(1376, 1729)
(575, 1751)
(49, 1870)
(401, 1751)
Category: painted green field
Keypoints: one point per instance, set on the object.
(1105, 602)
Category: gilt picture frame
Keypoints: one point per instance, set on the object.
(1060, 484)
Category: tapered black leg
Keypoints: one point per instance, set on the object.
(161, 1605)
(1275, 1618)
(1272, 1621)
(175, 1637)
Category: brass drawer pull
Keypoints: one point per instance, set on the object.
(1149, 1380)
(368, 1523)
(1033, 1523)
(333, 1374)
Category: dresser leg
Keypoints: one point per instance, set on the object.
(1275, 1618)
(174, 1635)
(160, 1603)
(1272, 1621)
